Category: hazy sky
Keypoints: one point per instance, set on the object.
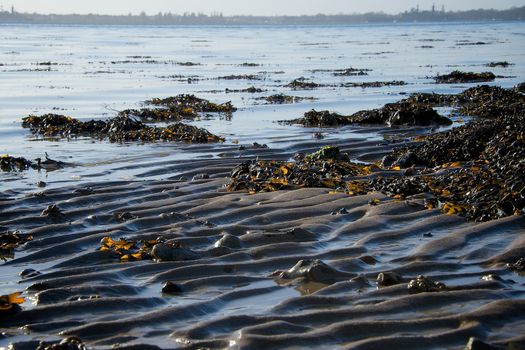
(254, 7)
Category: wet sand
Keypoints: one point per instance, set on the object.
(235, 296)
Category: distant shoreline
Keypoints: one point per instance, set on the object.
(412, 16)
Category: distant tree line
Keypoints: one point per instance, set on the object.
(414, 15)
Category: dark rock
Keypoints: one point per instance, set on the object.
(385, 279)
(230, 241)
(171, 288)
(477, 344)
(167, 252)
(406, 160)
(519, 265)
(28, 273)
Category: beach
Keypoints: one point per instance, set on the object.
(139, 241)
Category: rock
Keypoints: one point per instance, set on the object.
(28, 273)
(53, 211)
(407, 114)
(342, 211)
(406, 160)
(230, 241)
(519, 265)
(388, 161)
(477, 344)
(520, 87)
(385, 279)
(167, 252)
(202, 176)
(491, 277)
(41, 184)
(171, 288)
(70, 343)
(312, 270)
(424, 284)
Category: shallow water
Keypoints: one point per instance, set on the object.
(90, 78)
(232, 300)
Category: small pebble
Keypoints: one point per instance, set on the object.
(41, 184)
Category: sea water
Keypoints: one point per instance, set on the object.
(95, 71)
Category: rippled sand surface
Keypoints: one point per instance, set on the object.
(232, 297)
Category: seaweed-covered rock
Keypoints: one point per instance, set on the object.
(424, 284)
(119, 129)
(9, 163)
(191, 102)
(490, 102)
(503, 64)
(284, 99)
(53, 211)
(401, 113)
(325, 168)
(9, 241)
(351, 72)
(301, 83)
(315, 118)
(375, 84)
(464, 77)
(71, 343)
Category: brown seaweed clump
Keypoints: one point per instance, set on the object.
(9, 241)
(375, 84)
(400, 113)
(348, 72)
(475, 170)
(8, 163)
(480, 169)
(325, 168)
(178, 108)
(457, 76)
(119, 129)
(195, 103)
(302, 84)
(284, 99)
(489, 101)
(128, 250)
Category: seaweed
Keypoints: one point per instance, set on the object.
(196, 104)
(325, 168)
(9, 163)
(284, 99)
(122, 128)
(302, 84)
(9, 241)
(400, 113)
(464, 77)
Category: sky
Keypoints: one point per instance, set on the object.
(246, 7)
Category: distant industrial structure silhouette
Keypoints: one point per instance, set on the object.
(217, 18)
